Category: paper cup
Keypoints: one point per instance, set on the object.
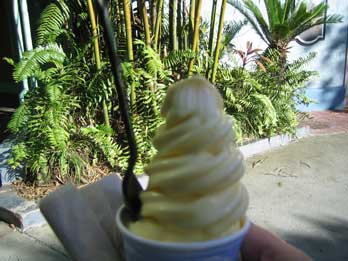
(137, 248)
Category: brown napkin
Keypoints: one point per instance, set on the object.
(84, 219)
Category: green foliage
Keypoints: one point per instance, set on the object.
(252, 109)
(29, 65)
(284, 20)
(52, 19)
(149, 77)
(231, 29)
(56, 128)
(290, 92)
(60, 130)
(101, 137)
(260, 106)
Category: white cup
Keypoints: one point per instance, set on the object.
(137, 248)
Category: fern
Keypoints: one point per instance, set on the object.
(178, 58)
(153, 62)
(51, 22)
(101, 137)
(19, 118)
(32, 60)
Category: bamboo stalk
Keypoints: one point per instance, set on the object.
(218, 40)
(144, 17)
(94, 33)
(195, 33)
(128, 22)
(197, 24)
(130, 54)
(211, 33)
(173, 41)
(97, 54)
(158, 23)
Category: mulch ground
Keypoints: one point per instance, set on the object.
(36, 191)
(33, 191)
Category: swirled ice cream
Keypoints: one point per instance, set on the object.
(194, 193)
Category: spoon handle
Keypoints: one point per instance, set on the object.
(130, 185)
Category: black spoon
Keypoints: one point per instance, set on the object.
(130, 185)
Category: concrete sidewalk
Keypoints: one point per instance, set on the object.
(38, 244)
(299, 191)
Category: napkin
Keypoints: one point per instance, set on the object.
(84, 219)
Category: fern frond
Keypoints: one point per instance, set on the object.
(57, 137)
(39, 164)
(19, 118)
(100, 136)
(33, 59)
(51, 21)
(153, 62)
(178, 58)
(53, 92)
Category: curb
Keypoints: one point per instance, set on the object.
(25, 214)
(267, 144)
(18, 211)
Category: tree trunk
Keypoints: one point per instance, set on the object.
(184, 23)
(179, 23)
(173, 41)
(153, 13)
(192, 21)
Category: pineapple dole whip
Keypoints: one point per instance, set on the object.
(194, 193)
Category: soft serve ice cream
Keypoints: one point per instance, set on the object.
(194, 193)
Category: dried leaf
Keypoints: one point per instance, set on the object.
(262, 67)
(265, 59)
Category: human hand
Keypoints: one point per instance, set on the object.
(261, 245)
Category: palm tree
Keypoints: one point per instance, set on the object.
(285, 20)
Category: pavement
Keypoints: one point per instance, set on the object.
(36, 244)
(299, 191)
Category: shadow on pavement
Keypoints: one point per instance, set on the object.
(328, 242)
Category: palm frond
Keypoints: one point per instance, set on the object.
(259, 28)
(231, 29)
(288, 9)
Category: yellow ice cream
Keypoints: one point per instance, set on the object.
(194, 192)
